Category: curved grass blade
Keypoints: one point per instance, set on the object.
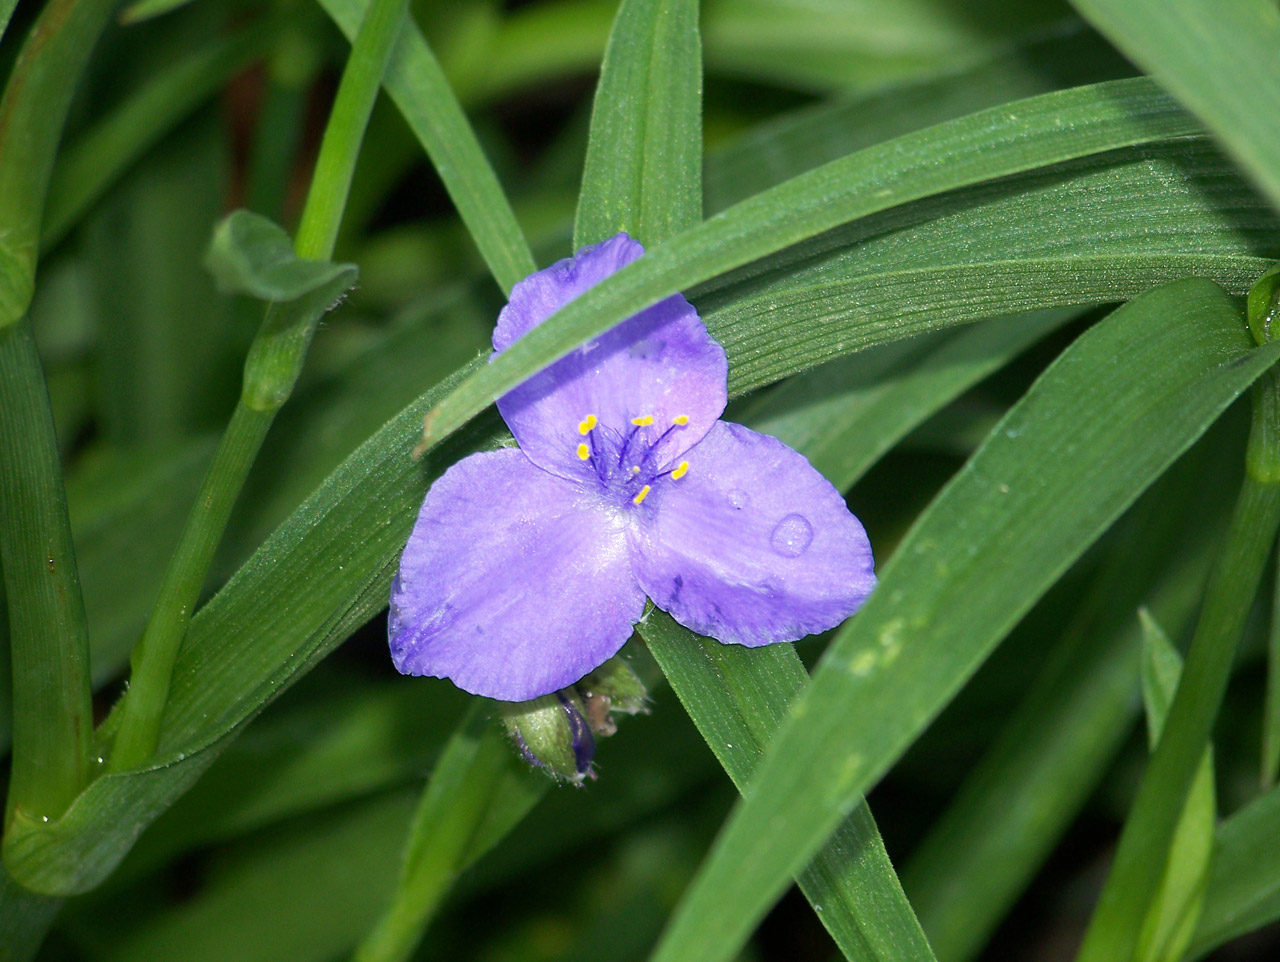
(926, 256)
(418, 86)
(643, 170)
(984, 146)
(1059, 741)
(1217, 58)
(1000, 533)
(802, 139)
(738, 698)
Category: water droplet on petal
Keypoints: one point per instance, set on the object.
(792, 536)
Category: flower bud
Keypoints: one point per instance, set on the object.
(613, 687)
(552, 733)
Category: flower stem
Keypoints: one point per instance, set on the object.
(266, 387)
(1136, 873)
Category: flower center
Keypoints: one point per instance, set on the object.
(627, 462)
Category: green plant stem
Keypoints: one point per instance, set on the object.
(32, 114)
(154, 655)
(274, 362)
(49, 641)
(331, 183)
(1136, 873)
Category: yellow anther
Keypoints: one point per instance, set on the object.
(635, 469)
(587, 423)
(681, 471)
(584, 452)
(643, 493)
(681, 419)
(643, 421)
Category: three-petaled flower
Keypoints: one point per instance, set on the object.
(529, 565)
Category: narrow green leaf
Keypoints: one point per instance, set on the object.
(738, 698)
(845, 415)
(1161, 669)
(1217, 58)
(419, 88)
(995, 143)
(24, 920)
(1058, 743)
(1133, 884)
(1244, 876)
(32, 113)
(643, 171)
(90, 165)
(322, 574)
(961, 257)
(48, 636)
(327, 741)
(1000, 533)
(1172, 919)
(478, 778)
(801, 139)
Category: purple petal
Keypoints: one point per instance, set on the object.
(752, 545)
(660, 364)
(515, 583)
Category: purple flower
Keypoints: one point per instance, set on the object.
(528, 566)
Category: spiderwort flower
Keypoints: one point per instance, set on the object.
(528, 566)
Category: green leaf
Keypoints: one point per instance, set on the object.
(845, 415)
(1161, 669)
(1000, 533)
(32, 113)
(738, 698)
(643, 171)
(24, 920)
(327, 741)
(990, 250)
(1217, 58)
(1172, 919)
(995, 143)
(322, 574)
(478, 791)
(416, 83)
(48, 636)
(250, 254)
(1243, 893)
(1048, 758)
(801, 139)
